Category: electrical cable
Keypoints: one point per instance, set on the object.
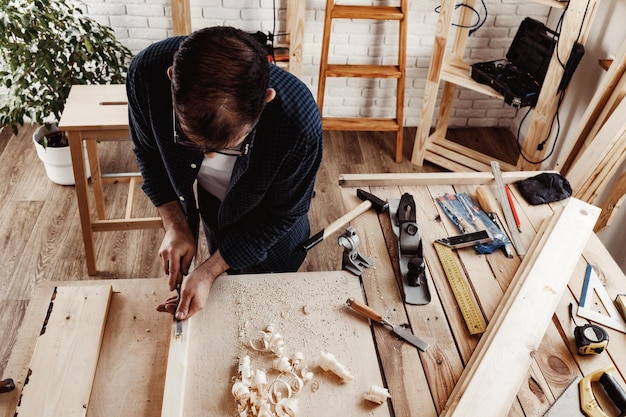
(560, 101)
(473, 27)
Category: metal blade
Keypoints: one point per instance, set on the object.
(406, 335)
(568, 404)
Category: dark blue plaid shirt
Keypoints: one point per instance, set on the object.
(270, 191)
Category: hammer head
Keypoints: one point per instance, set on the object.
(379, 205)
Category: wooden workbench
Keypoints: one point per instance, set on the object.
(307, 309)
(422, 382)
(132, 364)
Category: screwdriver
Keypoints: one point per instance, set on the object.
(488, 204)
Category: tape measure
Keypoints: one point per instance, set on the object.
(590, 338)
(469, 309)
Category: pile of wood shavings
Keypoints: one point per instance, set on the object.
(255, 396)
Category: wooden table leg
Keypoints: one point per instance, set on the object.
(80, 180)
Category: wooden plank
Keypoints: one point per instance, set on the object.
(296, 9)
(430, 178)
(610, 139)
(309, 311)
(402, 363)
(605, 172)
(65, 358)
(592, 119)
(521, 320)
(181, 17)
(176, 374)
(431, 88)
(611, 203)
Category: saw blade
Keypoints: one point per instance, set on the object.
(568, 404)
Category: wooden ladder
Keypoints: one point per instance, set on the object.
(397, 13)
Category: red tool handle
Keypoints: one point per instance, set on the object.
(364, 310)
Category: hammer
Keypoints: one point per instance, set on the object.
(369, 200)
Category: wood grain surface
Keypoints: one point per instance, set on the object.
(309, 311)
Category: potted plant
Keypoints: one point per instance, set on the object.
(46, 46)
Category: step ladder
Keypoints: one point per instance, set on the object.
(398, 71)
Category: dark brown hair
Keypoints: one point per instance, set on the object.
(219, 83)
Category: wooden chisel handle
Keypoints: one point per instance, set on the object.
(364, 310)
(485, 199)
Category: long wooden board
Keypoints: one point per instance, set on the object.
(65, 358)
(176, 374)
(503, 356)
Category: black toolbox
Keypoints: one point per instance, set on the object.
(519, 77)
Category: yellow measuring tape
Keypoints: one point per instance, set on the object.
(469, 309)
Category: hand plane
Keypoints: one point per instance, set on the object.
(410, 252)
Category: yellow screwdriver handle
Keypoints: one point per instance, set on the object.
(486, 200)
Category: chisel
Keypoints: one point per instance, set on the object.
(399, 331)
(179, 323)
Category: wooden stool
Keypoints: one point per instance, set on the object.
(97, 113)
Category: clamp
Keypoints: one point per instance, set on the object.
(353, 261)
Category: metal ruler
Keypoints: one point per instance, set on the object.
(469, 309)
(516, 239)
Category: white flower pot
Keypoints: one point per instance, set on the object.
(57, 161)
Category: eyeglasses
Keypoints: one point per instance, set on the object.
(183, 141)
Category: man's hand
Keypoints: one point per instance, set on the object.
(179, 246)
(195, 289)
(177, 251)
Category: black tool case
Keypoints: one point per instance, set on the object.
(519, 77)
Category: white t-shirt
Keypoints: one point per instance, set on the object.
(214, 175)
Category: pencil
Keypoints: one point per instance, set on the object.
(510, 198)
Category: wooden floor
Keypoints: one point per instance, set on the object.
(41, 240)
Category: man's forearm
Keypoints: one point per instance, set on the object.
(172, 215)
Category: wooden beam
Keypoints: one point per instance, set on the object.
(503, 356)
(611, 203)
(296, 10)
(64, 362)
(608, 92)
(176, 374)
(434, 178)
(181, 17)
(608, 143)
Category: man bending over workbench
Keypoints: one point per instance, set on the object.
(209, 107)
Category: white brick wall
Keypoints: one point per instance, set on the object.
(138, 23)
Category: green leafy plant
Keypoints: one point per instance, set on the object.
(46, 46)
